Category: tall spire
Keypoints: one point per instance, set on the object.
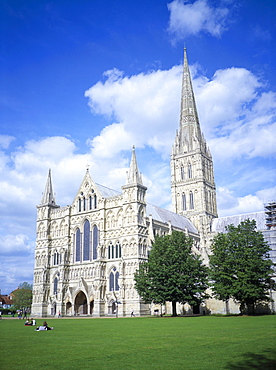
(190, 135)
(134, 176)
(48, 197)
(193, 185)
(188, 113)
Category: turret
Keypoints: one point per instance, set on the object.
(134, 192)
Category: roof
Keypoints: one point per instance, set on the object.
(5, 300)
(219, 224)
(107, 192)
(163, 215)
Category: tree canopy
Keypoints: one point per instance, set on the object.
(240, 267)
(22, 297)
(25, 285)
(172, 273)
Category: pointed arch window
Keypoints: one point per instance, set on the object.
(55, 285)
(95, 201)
(78, 245)
(90, 202)
(56, 258)
(190, 171)
(84, 204)
(184, 205)
(191, 200)
(79, 205)
(95, 241)
(86, 241)
(114, 280)
(117, 281)
(118, 250)
(182, 172)
(110, 250)
(111, 281)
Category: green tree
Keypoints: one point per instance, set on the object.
(25, 285)
(22, 297)
(240, 267)
(172, 273)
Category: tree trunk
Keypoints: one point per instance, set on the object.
(174, 309)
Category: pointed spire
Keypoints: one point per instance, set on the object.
(188, 105)
(48, 197)
(134, 176)
(190, 136)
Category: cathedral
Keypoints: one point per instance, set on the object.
(87, 253)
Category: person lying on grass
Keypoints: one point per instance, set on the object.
(44, 327)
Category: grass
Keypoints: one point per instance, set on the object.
(204, 342)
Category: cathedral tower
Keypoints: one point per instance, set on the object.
(41, 284)
(192, 176)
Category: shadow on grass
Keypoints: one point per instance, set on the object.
(265, 361)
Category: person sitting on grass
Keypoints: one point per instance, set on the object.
(44, 327)
(28, 323)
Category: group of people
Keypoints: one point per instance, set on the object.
(30, 322)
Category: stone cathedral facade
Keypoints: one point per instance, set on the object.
(87, 253)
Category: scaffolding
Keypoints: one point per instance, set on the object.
(270, 215)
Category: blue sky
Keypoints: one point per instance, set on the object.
(83, 81)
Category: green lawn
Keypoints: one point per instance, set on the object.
(205, 342)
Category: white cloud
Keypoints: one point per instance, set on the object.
(14, 270)
(192, 19)
(112, 140)
(18, 243)
(224, 98)
(230, 204)
(5, 141)
(145, 106)
(236, 118)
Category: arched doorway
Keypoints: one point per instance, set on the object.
(69, 308)
(91, 307)
(54, 309)
(80, 306)
(112, 308)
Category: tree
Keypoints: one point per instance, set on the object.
(22, 297)
(172, 273)
(240, 267)
(25, 285)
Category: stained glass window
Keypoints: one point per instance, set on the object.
(111, 282)
(117, 281)
(86, 241)
(78, 245)
(55, 285)
(95, 242)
